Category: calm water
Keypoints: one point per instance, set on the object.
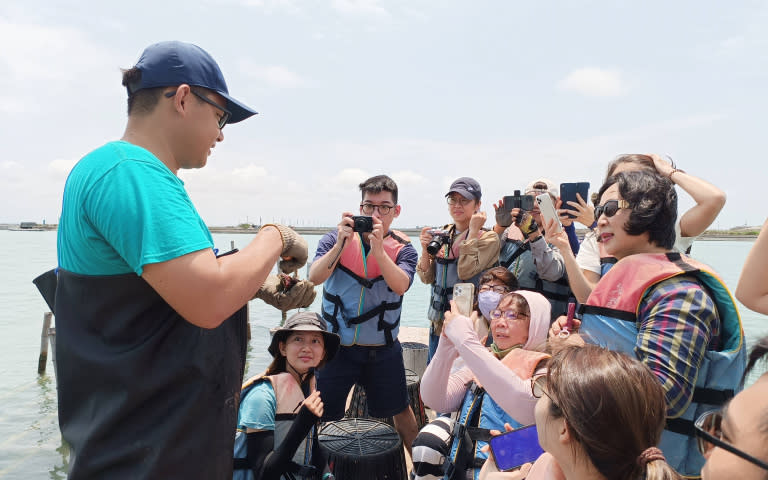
(30, 442)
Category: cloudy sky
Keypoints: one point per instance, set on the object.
(423, 90)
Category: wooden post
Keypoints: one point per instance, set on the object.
(43, 359)
(231, 244)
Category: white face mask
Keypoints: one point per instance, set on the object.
(488, 301)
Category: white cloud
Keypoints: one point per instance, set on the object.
(272, 75)
(360, 7)
(61, 165)
(271, 6)
(594, 82)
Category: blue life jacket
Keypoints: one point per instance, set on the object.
(357, 302)
(610, 320)
(480, 413)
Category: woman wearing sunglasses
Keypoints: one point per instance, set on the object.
(735, 439)
(599, 415)
(494, 386)
(585, 269)
(670, 311)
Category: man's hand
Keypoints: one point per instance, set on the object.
(503, 216)
(376, 237)
(525, 222)
(475, 224)
(424, 238)
(273, 292)
(294, 254)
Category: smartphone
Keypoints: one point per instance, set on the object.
(512, 449)
(548, 211)
(464, 296)
(523, 202)
(568, 193)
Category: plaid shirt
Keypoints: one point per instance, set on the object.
(677, 323)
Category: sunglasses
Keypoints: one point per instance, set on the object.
(610, 208)
(225, 114)
(709, 434)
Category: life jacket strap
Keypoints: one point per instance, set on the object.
(365, 282)
(520, 250)
(337, 306)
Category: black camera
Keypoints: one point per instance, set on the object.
(439, 238)
(362, 223)
(523, 202)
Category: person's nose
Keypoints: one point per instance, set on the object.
(220, 138)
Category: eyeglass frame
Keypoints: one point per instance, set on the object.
(461, 200)
(505, 288)
(601, 210)
(703, 435)
(380, 208)
(503, 313)
(223, 119)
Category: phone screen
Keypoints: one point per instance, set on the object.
(568, 194)
(463, 296)
(512, 449)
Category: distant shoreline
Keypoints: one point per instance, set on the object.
(748, 233)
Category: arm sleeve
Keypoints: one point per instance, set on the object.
(268, 464)
(512, 393)
(550, 264)
(573, 239)
(442, 390)
(588, 257)
(406, 260)
(326, 243)
(477, 254)
(143, 211)
(257, 409)
(677, 320)
(427, 276)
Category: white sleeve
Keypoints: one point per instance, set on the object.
(588, 257)
(682, 244)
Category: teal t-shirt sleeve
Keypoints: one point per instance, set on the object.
(143, 211)
(257, 409)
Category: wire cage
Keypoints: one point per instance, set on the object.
(359, 448)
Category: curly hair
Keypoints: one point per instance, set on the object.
(653, 203)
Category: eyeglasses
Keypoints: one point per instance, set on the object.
(495, 288)
(709, 434)
(225, 114)
(610, 208)
(460, 200)
(368, 208)
(508, 315)
(539, 386)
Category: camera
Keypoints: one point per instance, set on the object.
(362, 223)
(439, 238)
(523, 202)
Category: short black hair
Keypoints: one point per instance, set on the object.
(653, 203)
(140, 101)
(378, 184)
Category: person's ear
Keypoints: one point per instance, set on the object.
(397, 211)
(181, 97)
(281, 347)
(564, 432)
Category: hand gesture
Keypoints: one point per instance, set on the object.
(476, 223)
(585, 214)
(503, 216)
(491, 472)
(573, 338)
(565, 219)
(345, 227)
(314, 404)
(558, 239)
(424, 238)
(376, 237)
(664, 167)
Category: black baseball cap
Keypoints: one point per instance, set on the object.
(166, 64)
(467, 188)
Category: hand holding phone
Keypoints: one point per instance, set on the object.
(548, 212)
(568, 193)
(513, 449)
(566, 330)
(463, 297)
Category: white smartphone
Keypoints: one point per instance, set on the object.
(464, 296)
(548, 211)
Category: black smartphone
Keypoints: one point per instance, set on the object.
(568, 193)
(513, 449)
(523, 202)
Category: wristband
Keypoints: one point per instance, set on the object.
(674, 170)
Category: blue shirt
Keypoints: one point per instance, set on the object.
(257, 409)
(123, 209)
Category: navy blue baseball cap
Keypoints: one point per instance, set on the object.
(167, 64)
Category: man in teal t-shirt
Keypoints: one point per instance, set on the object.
(150, 325)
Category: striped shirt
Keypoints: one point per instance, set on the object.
(677, 323)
